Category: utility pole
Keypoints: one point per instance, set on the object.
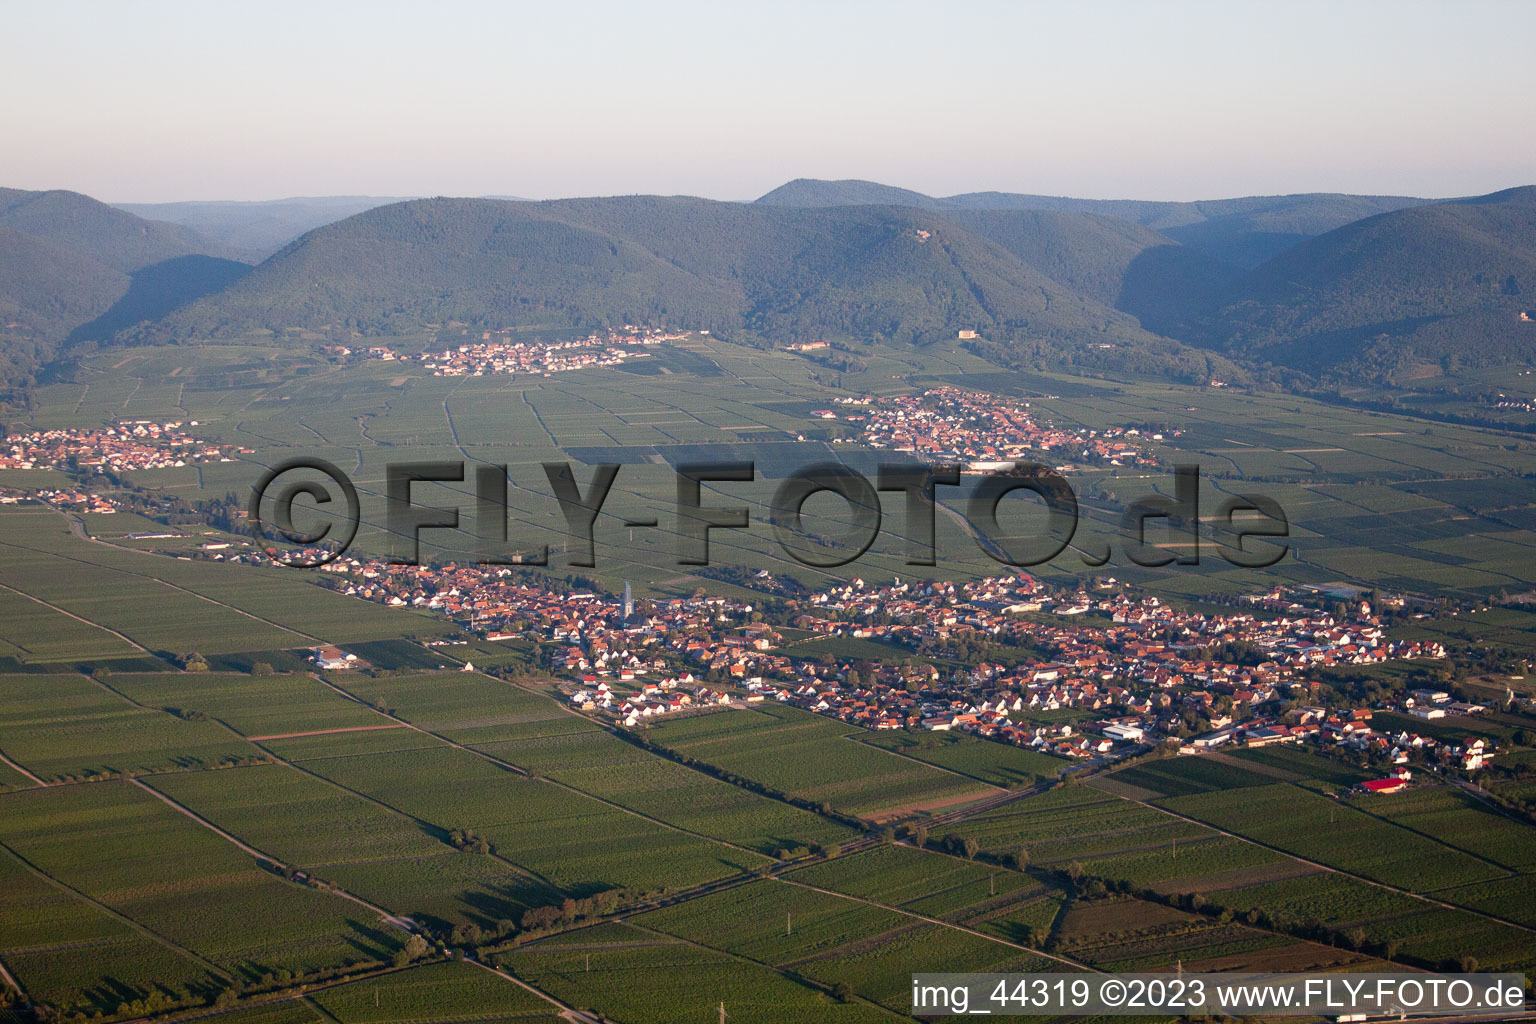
(722, 1013)
(787, 924)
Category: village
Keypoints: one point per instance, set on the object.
(982, 431)
(496, 353)
(1091, 674)
(124, 446)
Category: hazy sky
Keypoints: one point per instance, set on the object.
(149, 101)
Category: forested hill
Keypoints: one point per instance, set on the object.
(109, 236)
(1244, 231)
(1374, 298)
(1424, 285)
(72, 266)
(865, 272)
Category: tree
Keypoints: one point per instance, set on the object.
(415, 947)
(842, 992)
(971, 847)
(1021, 858)
(1355, 937)
(920, 836)
(261, 668)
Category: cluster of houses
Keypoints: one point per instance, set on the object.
(129, 445)
(638, 700)
(67, 499)
(982, 431)
(1112, 672)
(497, 353)
(1352, 731)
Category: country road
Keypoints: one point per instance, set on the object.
(403, 923)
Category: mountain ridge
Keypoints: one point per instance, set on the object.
(1245, 230)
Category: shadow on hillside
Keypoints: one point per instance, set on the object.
(1165, 284)
(157, 289)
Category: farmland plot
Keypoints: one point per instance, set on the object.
(772, 922)
(34, 632)
(1075, 823)
(814, 759)
(619, 978)
(1319, 828)
(921, 881)
(251, 705)
(397, 863)
(575, 842)
(433, 993)
(203, 898)
(533, 732)
(882, 971)
(1457, 819)
(995, 763)
(68, 725)
(60, 947)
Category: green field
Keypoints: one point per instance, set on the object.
(534, 732)
(64, 726)
(1000, 764)
(620, 974)
(199, 901)
(1341, 835)
(772, 922)
(388, 858)
(919, 881)
(576, 843)
(444, 991)
(253, 706)
(814, 759)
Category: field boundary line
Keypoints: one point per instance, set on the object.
(1422, 897)
(142, 929)
(568, 1012)
(279, 759)
(859, 737)
(775, 968)
(79, 531)
(323, 732)
(7, 979)
(105, 629)
(511, 865)
(525, 773)
(940, 922)
(403, 923)
(1511, 872)
(22, 770)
